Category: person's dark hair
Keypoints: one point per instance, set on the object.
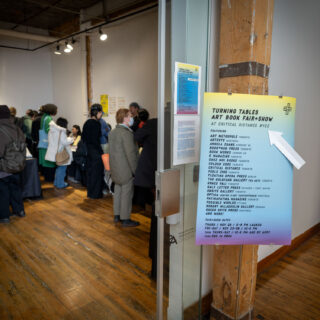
(35, 113)
(4, 112)
(29, 113)
(95, 108)
(143, 115)
(62, 122)
(135, 105)
(50, 109)
(78, 129)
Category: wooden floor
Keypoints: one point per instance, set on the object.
(290, 289)
(67, 260)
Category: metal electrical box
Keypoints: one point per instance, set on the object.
(168, 192)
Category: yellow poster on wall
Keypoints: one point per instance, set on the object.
(104, 101)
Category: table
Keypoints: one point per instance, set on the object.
(30, 180)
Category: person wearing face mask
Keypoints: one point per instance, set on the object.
(123, 153)
(91, 134)
(134, 109)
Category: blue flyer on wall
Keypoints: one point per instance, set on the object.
(187, 89)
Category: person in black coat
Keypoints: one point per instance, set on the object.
(91, 137)
(35, 133)
(147, 165)
(144, 180)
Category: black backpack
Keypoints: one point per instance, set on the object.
(80, 156)
(14, 158)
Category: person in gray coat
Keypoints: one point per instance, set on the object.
(123, 155)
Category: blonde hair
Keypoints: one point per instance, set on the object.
(121, 114)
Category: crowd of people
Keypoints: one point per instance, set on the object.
(78, 157)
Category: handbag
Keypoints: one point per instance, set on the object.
(62, 157)
(105, 160)
(43, 137)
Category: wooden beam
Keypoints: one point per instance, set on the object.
(245, 41)
(88, 64)
(245, 35)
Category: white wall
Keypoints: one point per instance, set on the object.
(295, 72)
(123, 66)
(25, 79)
(126, 64)
(69, 94)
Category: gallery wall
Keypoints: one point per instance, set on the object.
(125, 66)
(295, 72)
(25, 78)
(69, 92)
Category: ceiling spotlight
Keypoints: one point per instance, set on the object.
(68, 46)
(57, 51)
(103, 36)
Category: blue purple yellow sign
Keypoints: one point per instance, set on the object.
(245, 184)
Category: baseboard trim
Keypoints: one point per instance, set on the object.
(281, 252)
(265, 263)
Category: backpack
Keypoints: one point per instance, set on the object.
(80, 156)
(14, 158)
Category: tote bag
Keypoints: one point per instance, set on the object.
(62, 157)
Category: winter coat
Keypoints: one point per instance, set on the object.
(147, 165)
(91, 134)
(123, 154)
(13, 131)
(53, 138)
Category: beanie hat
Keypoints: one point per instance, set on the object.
(4, 112)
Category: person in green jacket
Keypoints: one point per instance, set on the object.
(48, 167)
(123, 155)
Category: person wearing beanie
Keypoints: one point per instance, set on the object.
(91, 134)
(10, 189)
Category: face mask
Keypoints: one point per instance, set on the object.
(131, 122)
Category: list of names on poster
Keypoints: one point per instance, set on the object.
(231, 186)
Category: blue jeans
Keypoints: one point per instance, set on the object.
(59, 177)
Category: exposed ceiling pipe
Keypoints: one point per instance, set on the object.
(28, 36)
(56, 40)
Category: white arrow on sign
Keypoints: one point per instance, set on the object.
(277, 139)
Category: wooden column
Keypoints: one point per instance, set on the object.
(245, 50)
(88, 64)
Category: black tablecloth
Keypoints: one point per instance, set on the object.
(31, 186)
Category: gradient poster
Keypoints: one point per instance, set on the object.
(245, 184)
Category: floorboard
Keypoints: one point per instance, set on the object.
(68, 260)
(290, 289)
